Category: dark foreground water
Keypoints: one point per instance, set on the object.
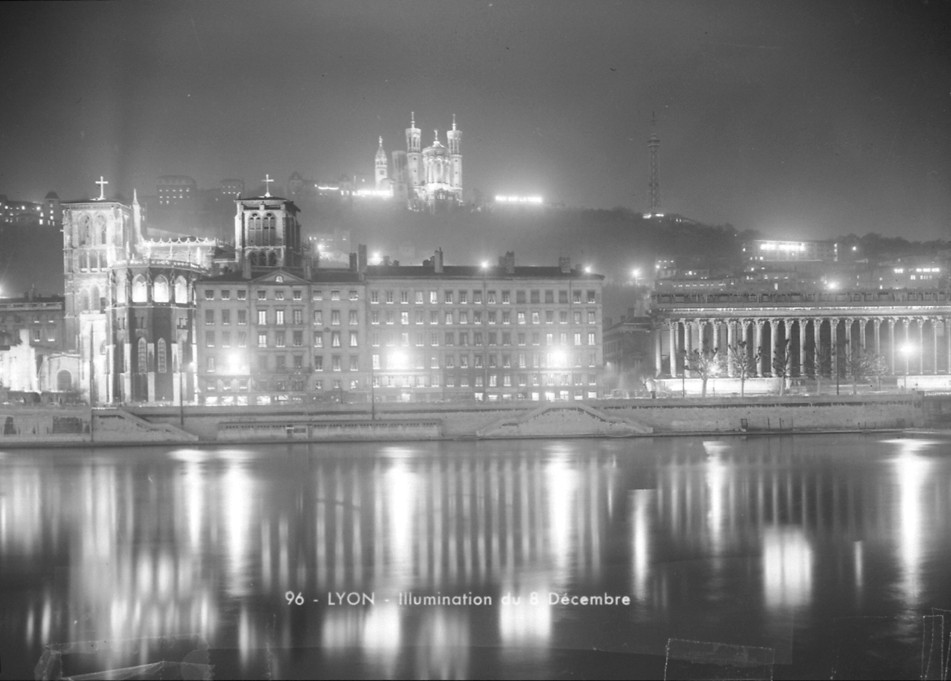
(801, 556)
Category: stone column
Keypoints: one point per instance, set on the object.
(891, 346)
(876, 337)
(848, 340)
(833, 347)
(921, 345)
(759, 345)
(774, 344)
(904, 336)
(658, 342)
(672, 327)
(934, 345)
(688, 345)
(730, 343)
(947, 338)
(802, 346)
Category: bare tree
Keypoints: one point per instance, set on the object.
(782, 365)
(703, 363)
(860, 365)
(744, 363)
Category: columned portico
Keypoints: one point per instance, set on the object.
(825, 350)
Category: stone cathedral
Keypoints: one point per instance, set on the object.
(129, 303)
(425, 178)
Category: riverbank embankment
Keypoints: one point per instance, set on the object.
(407, 421)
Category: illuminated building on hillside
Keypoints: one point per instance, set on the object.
(427, 178)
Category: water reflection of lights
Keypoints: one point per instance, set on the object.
(401, 490)
(524, 623)
(561, 486)
(912, 472)
(640, 543)
(236, 499)
(189, 455)
(443, 645)
(716, 479)
(787, 568)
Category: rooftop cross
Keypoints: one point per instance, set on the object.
(102, 188)
(267, 185)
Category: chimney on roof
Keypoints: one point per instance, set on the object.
(354, 262)
(362, 258)
(437, 261)
(507, 262)
(564, 263)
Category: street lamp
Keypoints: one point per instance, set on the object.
(907, 350)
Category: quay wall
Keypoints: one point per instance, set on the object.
(597, 418)
(680, 416)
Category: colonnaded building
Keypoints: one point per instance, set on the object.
(817, 333)
(274, 328)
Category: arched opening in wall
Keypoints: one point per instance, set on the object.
(161, 356)
(140, 292)
(64, 381)
(142, 363)
(181, 291)
(255, 223)
(269, 231)
(160, 291)
(101, 229)
(83, 301)
(84, 231)
(272, 259)
(95, 302)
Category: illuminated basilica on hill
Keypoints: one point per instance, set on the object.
(427, 178)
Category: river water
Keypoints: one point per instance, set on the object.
(795, 556)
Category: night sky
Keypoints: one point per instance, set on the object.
(807, 119)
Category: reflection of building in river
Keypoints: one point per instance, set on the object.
(162, 547)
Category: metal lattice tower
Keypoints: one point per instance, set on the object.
(653, 144)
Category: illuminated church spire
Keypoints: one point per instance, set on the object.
(381, 166)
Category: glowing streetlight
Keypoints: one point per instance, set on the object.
(484, 264)
(376, 258)
(832, 285)
(397, 360)
(587, 269)
(907, 350)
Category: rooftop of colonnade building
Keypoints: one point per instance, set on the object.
(871, 298)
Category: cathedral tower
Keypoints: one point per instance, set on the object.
(380, 167)
(267, 232)
(413, 149)
(454, 138)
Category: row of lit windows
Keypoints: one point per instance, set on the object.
(451, 338)
(462, 297)
(281, 294)
(335, 363)
(451, 317)
(279, 339)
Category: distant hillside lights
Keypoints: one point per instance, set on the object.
(515, 199)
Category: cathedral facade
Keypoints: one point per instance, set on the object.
(129, 304)
(425, 178)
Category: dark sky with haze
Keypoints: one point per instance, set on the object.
(807, 119)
